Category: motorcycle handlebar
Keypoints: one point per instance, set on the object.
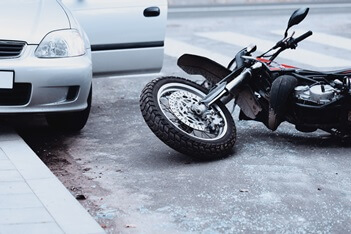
(303, 37)
(286, 43)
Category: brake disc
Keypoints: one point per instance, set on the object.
(181, 103)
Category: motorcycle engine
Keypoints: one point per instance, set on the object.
(319, 94)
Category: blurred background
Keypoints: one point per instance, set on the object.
(224, 2)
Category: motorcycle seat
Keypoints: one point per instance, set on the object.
(342, 72)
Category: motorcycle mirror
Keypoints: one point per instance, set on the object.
(251, 48)
(296, 18)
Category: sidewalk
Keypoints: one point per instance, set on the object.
(32, 199)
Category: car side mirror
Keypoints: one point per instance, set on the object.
(296, 18)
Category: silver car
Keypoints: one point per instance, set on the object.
(45, 62)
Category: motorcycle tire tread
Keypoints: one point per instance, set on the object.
(173, 137)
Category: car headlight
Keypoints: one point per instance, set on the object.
(61, 44)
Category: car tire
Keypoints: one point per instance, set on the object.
(70, 121)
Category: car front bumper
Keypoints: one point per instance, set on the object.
(46, 85)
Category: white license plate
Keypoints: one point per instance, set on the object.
(6, 79)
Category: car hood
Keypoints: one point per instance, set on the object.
(30, 20)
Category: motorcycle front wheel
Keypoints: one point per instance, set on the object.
(167, 105)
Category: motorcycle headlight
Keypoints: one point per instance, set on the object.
(61, 44)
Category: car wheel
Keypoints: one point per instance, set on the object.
(70, 121)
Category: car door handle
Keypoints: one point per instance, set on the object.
(152, 12)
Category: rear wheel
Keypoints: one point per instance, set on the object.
(171, 108)
(281, 90)
(70, 121)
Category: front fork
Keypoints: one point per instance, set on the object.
(224, 88)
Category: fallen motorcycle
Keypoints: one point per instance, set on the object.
(193, 119)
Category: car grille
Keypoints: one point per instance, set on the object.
(11, 49)
(17, 96)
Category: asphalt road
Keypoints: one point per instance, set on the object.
(283, 181)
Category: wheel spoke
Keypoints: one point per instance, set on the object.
(194, 133)
(207, 135)
(174, 120)
(166, 108)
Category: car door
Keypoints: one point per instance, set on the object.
(126, 36)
